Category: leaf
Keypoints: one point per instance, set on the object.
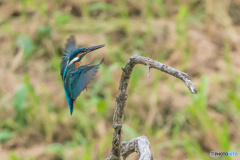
(101, 6)
(60, 18)
(101, 106)
(31, 92)
(13, 156)
(19, 103)
(20, 98)
(55, 148)
(44, 31)
(5, 134)
(27, 44)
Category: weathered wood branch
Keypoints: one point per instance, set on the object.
(141, 144)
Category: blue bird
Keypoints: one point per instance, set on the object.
(76, 77)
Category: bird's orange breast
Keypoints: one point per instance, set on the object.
(77, 64)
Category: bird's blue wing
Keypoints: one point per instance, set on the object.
(66, 78)
(71, 78)
(80, 78)
(70, 47)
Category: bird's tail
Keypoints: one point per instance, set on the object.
(71, 106)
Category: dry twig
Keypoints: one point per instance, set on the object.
(120, 151)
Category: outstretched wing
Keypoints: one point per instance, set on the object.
(70, 47)
(80, 78)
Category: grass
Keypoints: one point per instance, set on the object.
(35, 122)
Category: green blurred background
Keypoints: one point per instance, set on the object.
(200, 38)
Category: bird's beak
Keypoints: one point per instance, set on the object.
(90, 49)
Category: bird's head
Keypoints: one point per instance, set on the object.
(79, 53)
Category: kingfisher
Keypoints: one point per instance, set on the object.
(74, 76)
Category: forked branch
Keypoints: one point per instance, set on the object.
(120, 150)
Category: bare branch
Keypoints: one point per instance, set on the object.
(136, 59)
(139, 145)
(121, 151)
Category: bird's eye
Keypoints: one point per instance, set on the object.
(85, 50)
